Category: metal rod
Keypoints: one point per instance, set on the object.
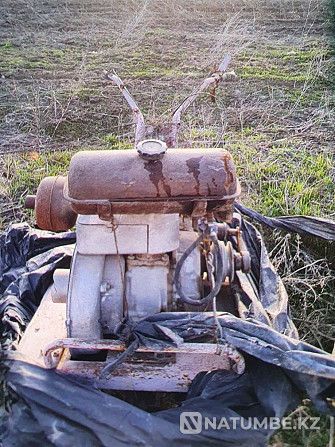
(215, 79)
(138, 116)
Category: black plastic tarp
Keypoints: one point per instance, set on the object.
(28, 258)
(308, 225)
(49, 409)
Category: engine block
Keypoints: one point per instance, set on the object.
(136, 213)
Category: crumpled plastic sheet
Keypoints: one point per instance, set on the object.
(28, 258)
(54, 410)
(51, 409)
(309, 225)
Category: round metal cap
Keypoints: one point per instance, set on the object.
(151, 149)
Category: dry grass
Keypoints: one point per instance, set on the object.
(310, 281)
(53, 94)
(277, 118)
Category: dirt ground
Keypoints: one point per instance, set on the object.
(276, 117)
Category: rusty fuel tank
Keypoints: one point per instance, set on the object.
(186, 181)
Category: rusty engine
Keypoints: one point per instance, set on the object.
(155, 233)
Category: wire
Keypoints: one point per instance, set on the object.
(122, 273)
(210, 269)
(219, 274)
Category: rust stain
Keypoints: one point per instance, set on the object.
(230, 176)
(155, 169)
(193, 165)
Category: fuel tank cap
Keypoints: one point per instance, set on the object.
(151, 149)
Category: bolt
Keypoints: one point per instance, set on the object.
(237, 261)
(105, 286)
(29, 202)
(246, 262)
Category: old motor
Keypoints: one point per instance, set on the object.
(155, 233)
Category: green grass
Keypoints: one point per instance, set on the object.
(271, 73)
(22, 174)
(285, 180)
(113, 141)
(285, 64)
(302, 437)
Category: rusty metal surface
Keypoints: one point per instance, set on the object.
(107, 210)
(182, 174)
(121, 182)
(170, 369)
(113, 345)
(175, 377)
(53, 212)
(29, 202)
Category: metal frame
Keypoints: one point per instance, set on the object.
(187, 359)
(141, 128)
(175, 374)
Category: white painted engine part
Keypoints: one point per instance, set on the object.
(127, 267)
(124, 267)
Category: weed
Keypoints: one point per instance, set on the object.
(300, 437)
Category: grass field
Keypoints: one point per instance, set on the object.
(276, 118)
